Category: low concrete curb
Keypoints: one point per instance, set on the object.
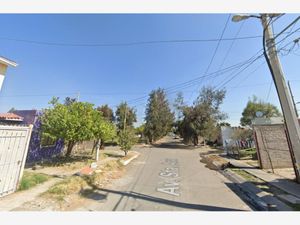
(261, 200)
(257, 198)
(127, 161)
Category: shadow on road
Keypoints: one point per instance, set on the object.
(144, 197)
(174, 145)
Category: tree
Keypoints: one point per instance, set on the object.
(254, 105)
(103, 131)
(71, 122)
(179, 105)
(125, 116)
(69, 100)
(159, 118)
(107, 112)
(140, 132)
(201, 119)
(127, 139)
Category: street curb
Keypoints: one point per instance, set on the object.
(261, 200)
(244, 193)
(126, 162)
(258, 199)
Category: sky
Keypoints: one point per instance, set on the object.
(61, 55)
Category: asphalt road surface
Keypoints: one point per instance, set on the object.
(167, 178)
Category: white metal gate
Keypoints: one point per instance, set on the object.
(14, 142)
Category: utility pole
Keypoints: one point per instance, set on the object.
(293, 128)
(295, 107)
(78, 95)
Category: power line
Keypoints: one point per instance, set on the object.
(270, 22)
(289, 34)
(61, 44)
(223, 83)
(217, 47)
(247, 76)
(215, 52)
(238, 66)
(195, 81)
(231, 45)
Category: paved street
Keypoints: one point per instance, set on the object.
(167, 177)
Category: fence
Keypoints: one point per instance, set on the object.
(272, 145)
(14, 141)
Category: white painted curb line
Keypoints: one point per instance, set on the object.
(125, 162)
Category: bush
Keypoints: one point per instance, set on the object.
(127, 139)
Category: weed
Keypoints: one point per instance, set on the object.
(30, 180)
(69, 186)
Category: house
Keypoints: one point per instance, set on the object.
(41, 147)
(231, 138)
(272, 144)
(4, 63)
(10, 118)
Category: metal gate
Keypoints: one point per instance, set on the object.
(14, 142)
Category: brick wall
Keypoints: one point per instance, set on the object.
(272, 146)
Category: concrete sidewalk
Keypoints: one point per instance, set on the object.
(17, 199)
(277, 181)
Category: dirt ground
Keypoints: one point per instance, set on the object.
(108, 168)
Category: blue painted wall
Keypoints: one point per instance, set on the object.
(36, 153)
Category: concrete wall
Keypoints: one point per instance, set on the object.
(272, 146)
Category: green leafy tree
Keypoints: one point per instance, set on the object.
(72, 122)
(107, 112)
(203, 117)
(103, 129)
(159, 118)
(179, 105)
(69, 100)
(127, 139)
(125, 116)
(255, 105)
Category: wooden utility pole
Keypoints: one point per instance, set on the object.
(295, 107)
(291, 121)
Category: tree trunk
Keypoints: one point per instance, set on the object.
(125, 151)
(94, 146)
(102, 146)
(70, 148)
(97, 150)
(195, 140)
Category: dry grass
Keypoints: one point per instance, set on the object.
(69, 186)
(76, 184)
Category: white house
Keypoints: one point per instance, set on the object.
(4, 63)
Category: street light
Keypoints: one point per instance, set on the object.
(288, 109)
(240, 17)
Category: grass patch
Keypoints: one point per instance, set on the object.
(30, 180)
(113, 165)
(69, 186)
(246, 175)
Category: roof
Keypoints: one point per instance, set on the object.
(7, 62)
(10, 117)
